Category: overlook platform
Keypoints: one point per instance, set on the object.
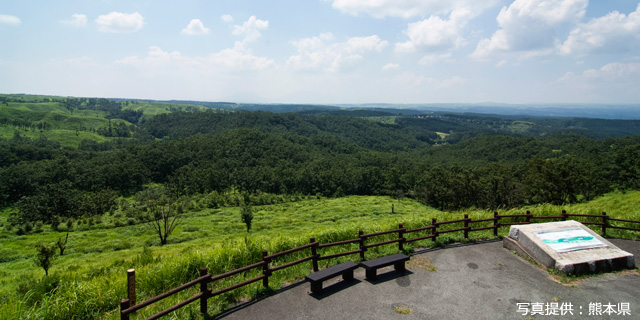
(462, 281)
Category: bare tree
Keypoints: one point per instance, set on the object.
(165, 216)
(62, 244)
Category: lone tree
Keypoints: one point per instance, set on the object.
(62, 245)
(165, 217)
(247, 216)
(165, 212)
(44, 256)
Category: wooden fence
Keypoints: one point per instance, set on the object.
(128, 306)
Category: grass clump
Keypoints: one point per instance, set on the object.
(403, 309)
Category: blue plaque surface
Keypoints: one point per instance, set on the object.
(566, 240)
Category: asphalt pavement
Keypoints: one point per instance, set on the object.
(461, 281)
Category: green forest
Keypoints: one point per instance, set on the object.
(81, 164)
(480, 163)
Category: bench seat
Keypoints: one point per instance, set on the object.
(345, 269)
(371, 266)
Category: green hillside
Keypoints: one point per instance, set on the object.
(91, 273)
(69, 121)
(104, 169)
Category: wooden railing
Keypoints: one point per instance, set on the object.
(128, 306)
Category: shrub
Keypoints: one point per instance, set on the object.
(144, 258)
(247, 216)
(55, 222)
(45, 254)
(34, 290)
(132, 212)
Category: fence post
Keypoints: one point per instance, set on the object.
(314, 253)
(362, 248)
(495, 223)
(434, 232)
(401, 237)
(265, 269)
(131, 286)
(204, 291)
(564, 215)
(528, 217)
(124, 304)
(466, 226)
(605, 221)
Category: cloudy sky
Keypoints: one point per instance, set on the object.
(325, 51)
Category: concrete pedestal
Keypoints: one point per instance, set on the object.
(567, 246)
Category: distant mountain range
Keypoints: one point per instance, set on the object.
(599, 111)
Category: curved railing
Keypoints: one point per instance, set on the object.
(128, 306)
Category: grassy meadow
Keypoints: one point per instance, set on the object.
(89, 280)
(155, 108)
(70, 127)
(66, 127)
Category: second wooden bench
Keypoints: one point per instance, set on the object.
(372, 266)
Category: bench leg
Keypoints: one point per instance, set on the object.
(348, 275)
(399, 266)
(316, 287)
(371, 274)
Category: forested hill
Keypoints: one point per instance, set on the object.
(364, 133)
(381, 130)
(449, 161)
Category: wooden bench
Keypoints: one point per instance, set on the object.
(345, 269)
(371, 266)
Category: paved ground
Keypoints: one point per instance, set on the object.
(472, 281)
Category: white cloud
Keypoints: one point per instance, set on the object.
(7, 19)
(450, 82)
(530, 26)
(614, 72)
(317, 53)
(250, 29)
(231, 59)
(238, 59)
(616, 81)
(77, 20)
(436, 33)
(155, 57)
(614, 32)
(117, 22)
(408, 8)
(409, 79)
(431, 59)
(196, 27)
(390, 66)
(227, 18)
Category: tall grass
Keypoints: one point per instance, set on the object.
(89, 280)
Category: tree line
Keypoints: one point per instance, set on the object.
(487, 171)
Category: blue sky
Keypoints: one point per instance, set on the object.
(325, 51)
